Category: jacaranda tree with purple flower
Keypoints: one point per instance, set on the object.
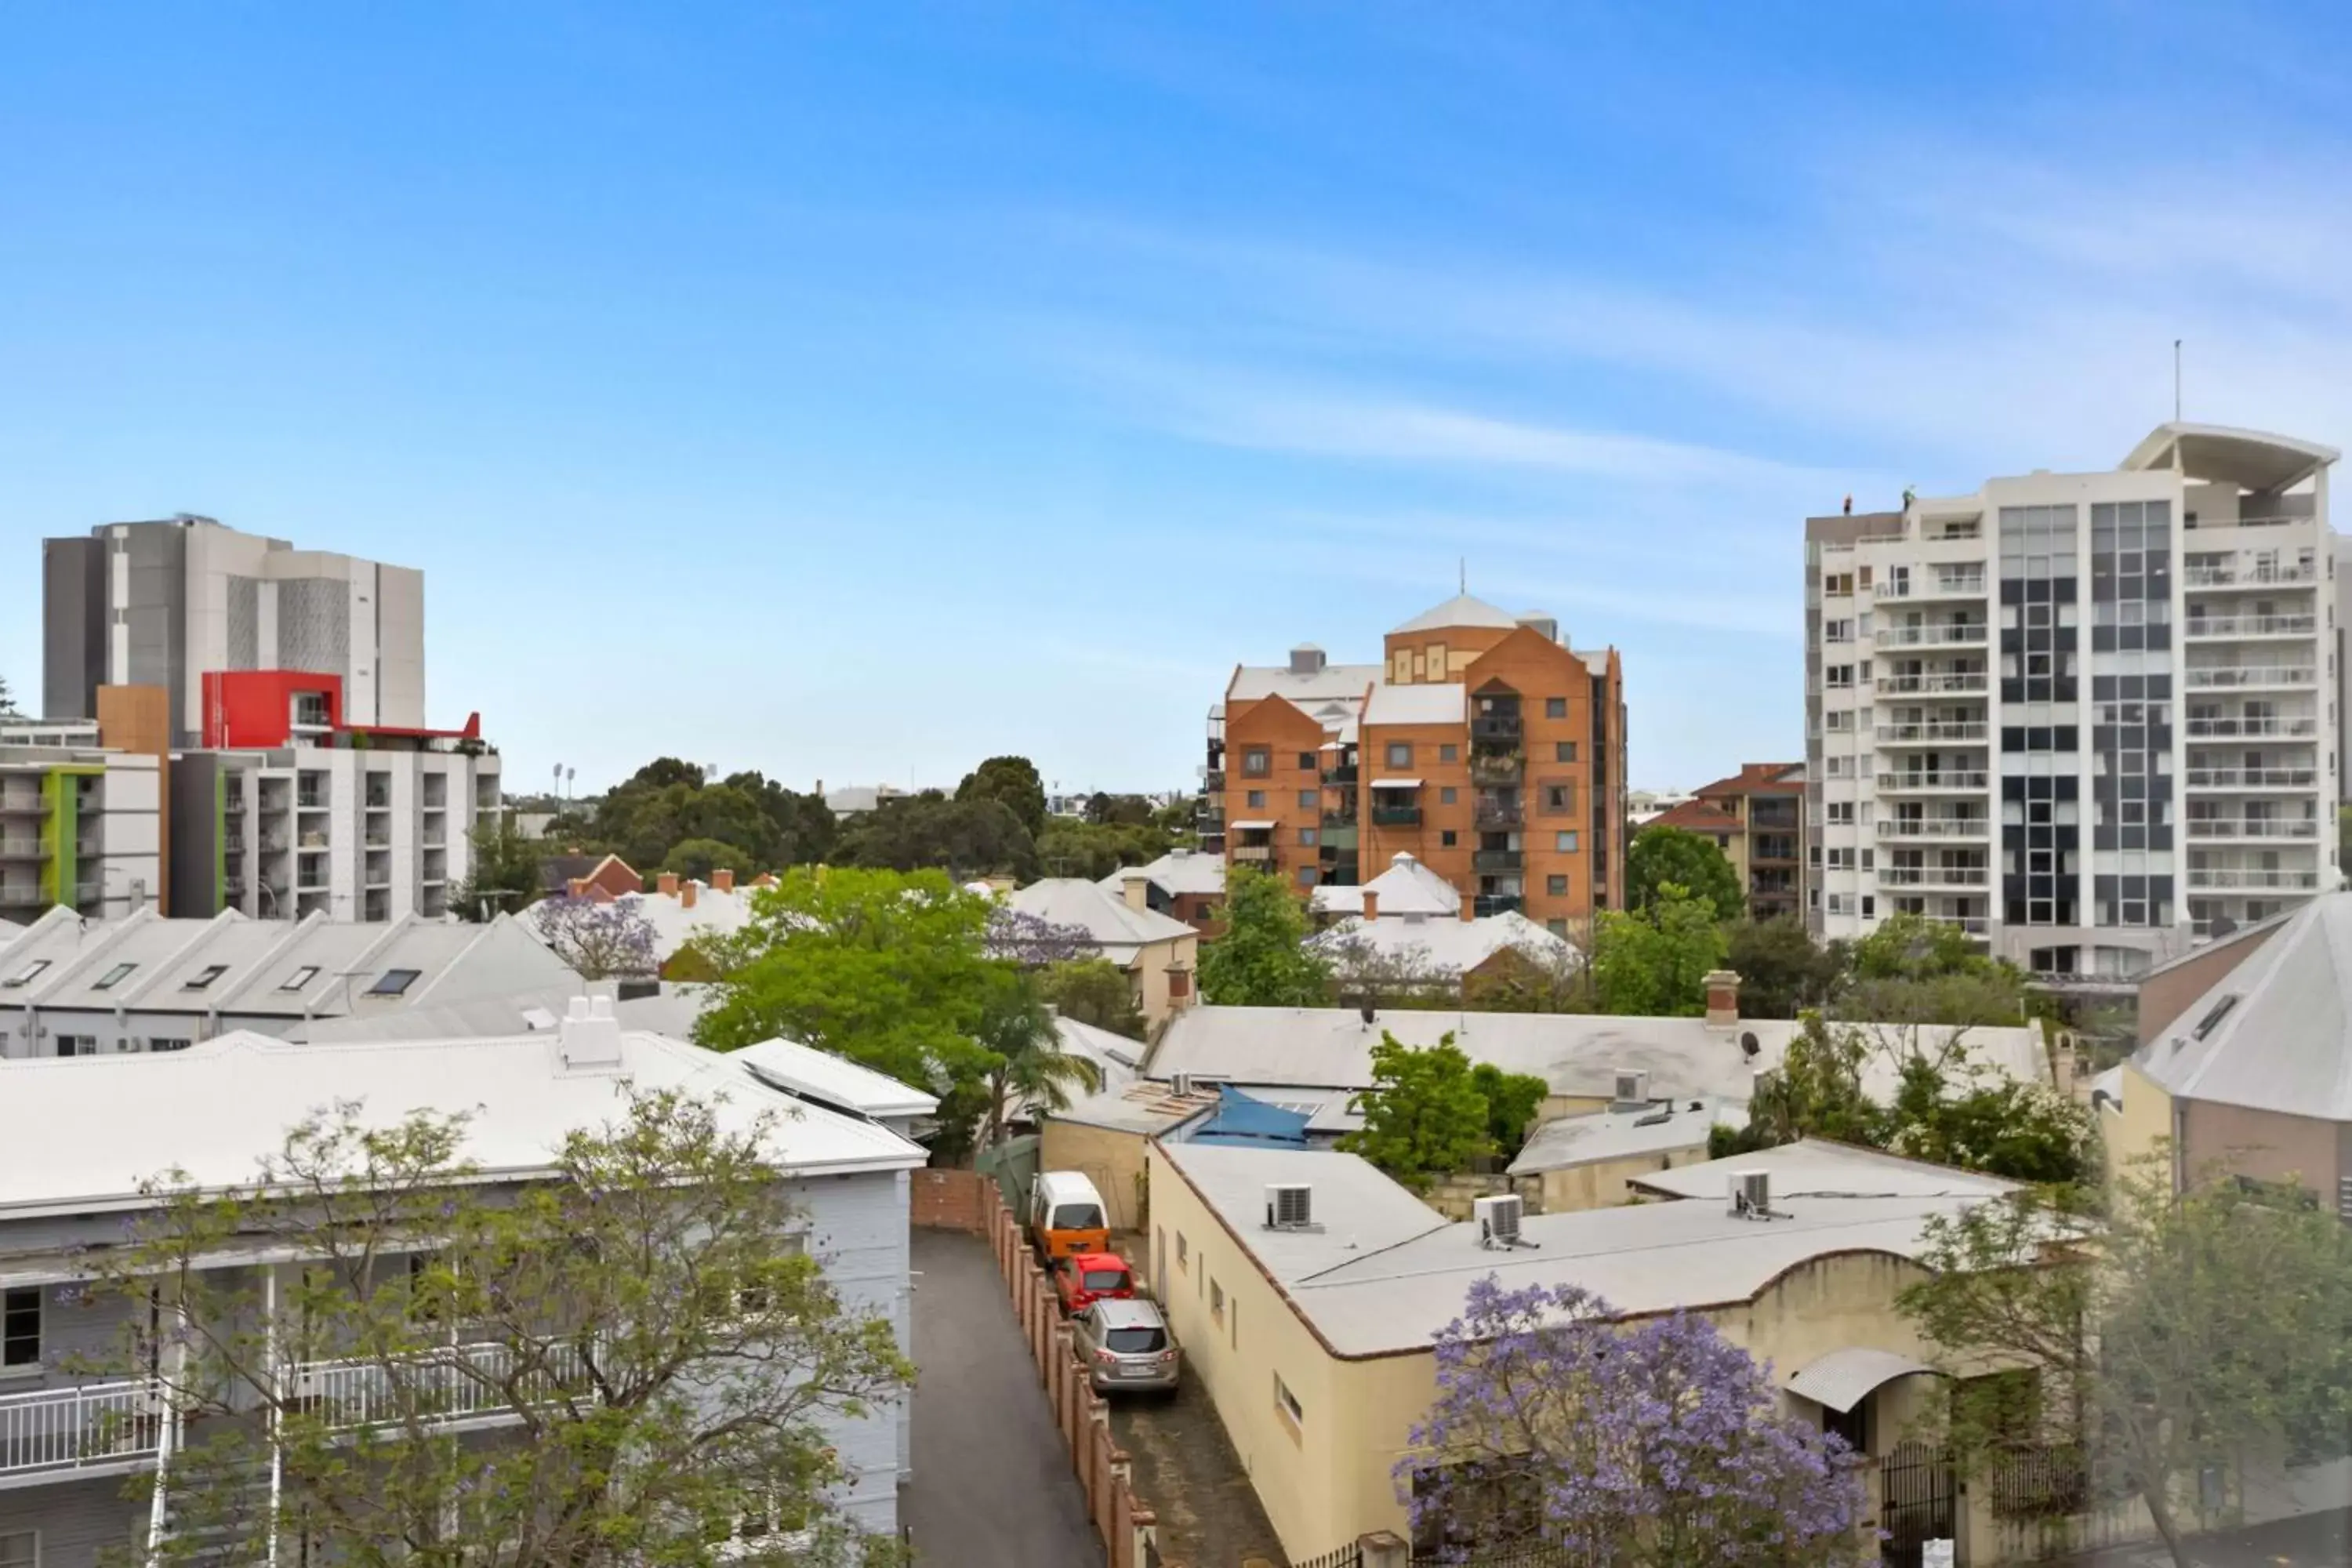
(603, 940)
(1650, 1444)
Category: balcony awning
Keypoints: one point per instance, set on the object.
(1396, 783)
(1251, 826)
(1844, 1378)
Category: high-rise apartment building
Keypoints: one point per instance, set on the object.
(1482, 744)
(2087, 717)
(160, 603)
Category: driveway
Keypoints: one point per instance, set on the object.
(1185, 1467)
(992, 1485)
(2315, 1541)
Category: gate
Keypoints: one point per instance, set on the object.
(1915, 1502)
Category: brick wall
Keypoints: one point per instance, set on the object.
(950, 1200)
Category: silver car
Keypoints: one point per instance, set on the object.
(1125, 1344)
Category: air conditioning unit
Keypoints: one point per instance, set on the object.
(1289, 1205)
(1498, 1219)
(1633, 1088)
(1751, 1193)
(1181, 1084)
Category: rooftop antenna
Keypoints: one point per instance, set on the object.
(2176, 381)
(1463, 563)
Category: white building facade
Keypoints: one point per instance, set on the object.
(2088, 718)
(79, 827)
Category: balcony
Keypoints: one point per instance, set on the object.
(2227, 627)
(1214, 780)
(2250, 577)
(2242, 676)
(1914, 783)
(314, 841)
(2236, 877)
(1487, 904)
(1396, 817)
(1496, 767)
(98, 1426)
(1936, 828)
(1931, 734)
(1919, 685)
(1975, 925)
(21, 849)
(2231, 729)
(2253, 778)
(1253, 854)
(1956, 635)
(311, 800)
(2251, 827)
(1498, 728)
(1340, 775)
(1338, 834)
(1943, 585)
(1498, 814)
(454, 1383)
(1496, 860)
(1934, 876)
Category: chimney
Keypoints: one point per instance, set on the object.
(722, 879)
(579, 886)
(665, 884)
(589, 1039)
(1372, 904)
(1136, 888)
(1469, 908)
(1722, 999)
(685, 893)
(764, 880)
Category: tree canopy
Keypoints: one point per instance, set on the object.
(504, 874)
(1653, 961)
(600, 941)
(1011, 782)
(1423, 1115)
(1653, 1443)
(678, 1409)
(1093, 991)
(1782, 970)
(1262, 959)
(1661, 856)
(966, 838)
(668, 811)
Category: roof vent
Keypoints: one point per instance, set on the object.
(1306, 659)
(1537, 621)
(1632, 1091)
(1751, 1195)
(1497, 1219)
(1180, 1085)
(1290, 1205)
(589, 1039)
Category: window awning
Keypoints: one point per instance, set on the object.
(1251, 826)
(1844, 1378)
(1396, 783)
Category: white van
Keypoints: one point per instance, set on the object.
(1066, 1214)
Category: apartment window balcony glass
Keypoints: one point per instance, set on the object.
(1933, 876)
(1906, 685)
(1499, 811)
(1496, 767)
(1497, 728)
(1340, 775)
(1488, 904)
(1933, 731)
(1212, 780)
(2239, 877)
(2255, 577)
(1254, 854)
(2225, 729)
(2232, 677)
(2290, 778)
(1395, 815)
(1496, 860)
(1923, 783)
(1935, 827)
(2251, 827)
(1957, 633)
(2237, 627)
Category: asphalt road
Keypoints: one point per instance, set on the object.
(2315, 1541)
(992, 1485)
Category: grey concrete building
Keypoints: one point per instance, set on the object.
(162, 602)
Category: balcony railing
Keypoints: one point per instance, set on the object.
(314, 840)
(2203, 876)
(2251, 827)
(2253, 577)
(1975, 925)
(1486, 904)
(1935, 827)
(20, 849)
(1496, 727)
(1496, 860)
(310, 800)
(1930, 637)
(1496, 767)
(2253, 778)
(2251, 626)
(1497, 814)
(1933, 876)
(59, 1430)
(1396, 817)
(2228, 729)
(455, 1383)
(2233, 675)
(1916, 783)
(1214, 780)
(1907, 685)
(1897, 733)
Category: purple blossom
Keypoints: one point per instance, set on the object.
(600, 940)
(1032, 942)
(1629, 1445)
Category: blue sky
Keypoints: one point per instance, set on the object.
(853, 392)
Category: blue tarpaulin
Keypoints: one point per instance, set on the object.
(1239, 1119)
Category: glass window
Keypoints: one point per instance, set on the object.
(300, 977)
(1399, 754)
(1449, 753)
(1306, 762)
(1134, 1342)
(20, 1548)
(1287, 1402)
(1445, 838)
(1555, 707)
(20, 1325)
(1563, 751)
(1307, 837)
(27, 974)
(1556, 886)
(1257, 799)
(1565, 841)
(205, 976)
(1257, 760)
(1309, 798)
(395, 982)
(1445, 795)
(114, 977)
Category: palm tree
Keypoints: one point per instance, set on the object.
(1028, 1066)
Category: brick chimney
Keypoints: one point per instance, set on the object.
(1136, 888)
(1371, 904)
(686, 890)
(764, 880)
(579, 886)
(665, 884)
(1722, 999)
(722, 879)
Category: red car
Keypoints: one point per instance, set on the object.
(1084, 1278)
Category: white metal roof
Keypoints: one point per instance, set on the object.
(1571, 1140)
(1816, 1167)
(1843, 1378)
(1445, 943)
(100, 1125)
(811, 1073)
(1406, 887)
(1120, 928)
(1177, 873)
(2255, 460)
(1412, 703)
(1461, 610)
(2277, 1029)
(1334, 683)
(1142, 1107)
(674, 922)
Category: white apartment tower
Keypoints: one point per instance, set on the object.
(2087, 717)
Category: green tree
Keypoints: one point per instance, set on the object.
(698, 858)
(1118, 810)
(648, 1410)
(1093, 991)
(504, 872)
(1782, 970)
(1653, 961)
(1661, 856)
(1556, 982)
(1262, 960)
(2171, 1334)
(7, 700)
(1512, 1100)
(1423, 1115)
(966, 838)
(1023, 1063)
(803, 825)
(1915, 971)
(1013, 780)
(886, 968)
(1069, 847)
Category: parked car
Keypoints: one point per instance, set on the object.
(1125, 1344)
(1084, 1278)
(1066, 1214)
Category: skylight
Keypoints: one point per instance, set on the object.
(114, 977)
(205, 976)
(31, 972)
(2214, 1015)
(300, 977)
(394, 983)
